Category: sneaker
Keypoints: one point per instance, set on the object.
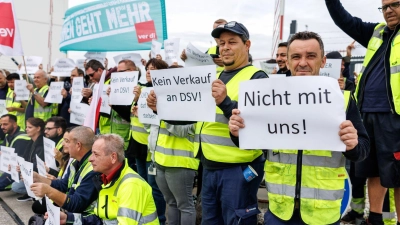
(24, 198)
(351, 217)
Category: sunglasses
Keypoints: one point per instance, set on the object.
(92, 74)
(393, 6)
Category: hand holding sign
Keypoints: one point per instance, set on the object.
(235, 122)
(348, 134)
(219, 91)
(152, 101)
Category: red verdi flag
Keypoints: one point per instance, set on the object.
(10, 40)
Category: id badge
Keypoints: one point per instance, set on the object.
(152, 170)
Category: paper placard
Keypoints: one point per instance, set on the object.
(27, 174)
(49, 146)
(40, 166)
(122, 85)
(134, 57)
(269, 67)
(14, 164)
(54, 94)
(3, 107)
(296, 113)
(79, 111)
(32, 64)
(6, 154)
(155, 48)
(185, 93)
(332, 68)
(197, 58)
(77, 86)
(358, 50)
(80, 64)
(171, 49)
(20, 90)
(105, 107)
(63, 67)
(99, 56)
(145, 114)
(53, 213)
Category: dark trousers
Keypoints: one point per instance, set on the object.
(227, 198)
(5, 180)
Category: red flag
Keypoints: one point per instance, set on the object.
(10, 40)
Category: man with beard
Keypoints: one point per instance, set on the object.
(281, 59)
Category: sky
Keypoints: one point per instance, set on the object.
(192, 21)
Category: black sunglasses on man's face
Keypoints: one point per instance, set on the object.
(91, 74)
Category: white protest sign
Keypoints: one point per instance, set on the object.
(40, 166)
(21, 92)
(332, 68)
(185, 93)
(14, 164)
(122, 85)
(49, 146)
(155, 48)
(6, 154)
(27, 174)
(145, 114)
(54, 94)
(358, 50)
(79, 112)
(197, 58)
(3, 107)
(77, 86)
(32, 64)
(63, 67)
(53, 213)
(80, 64)
(171, 49)
(20, 160)
(105, 107)
(296, 113)
(269, 67)
(99, 56)
(134, 57)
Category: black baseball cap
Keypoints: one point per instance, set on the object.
(232, 26)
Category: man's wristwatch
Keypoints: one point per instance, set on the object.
(35, 93)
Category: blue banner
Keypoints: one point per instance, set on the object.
(118, 25)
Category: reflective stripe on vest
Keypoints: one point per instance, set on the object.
(214, 137)
(16, 104)
(172, 151)
(322, 183)
(358, 205)
(60, 144)
(19, 137)
(394, 62)
(40, 112)
(135, 215)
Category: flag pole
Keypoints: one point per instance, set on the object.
(26, 72)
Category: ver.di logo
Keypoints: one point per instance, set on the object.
(7, 26)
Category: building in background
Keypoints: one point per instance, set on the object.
(34, 25)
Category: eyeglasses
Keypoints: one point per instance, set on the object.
(50, 128)
(393, 5)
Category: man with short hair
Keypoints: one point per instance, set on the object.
(378, 98)
(15, 107)
(301, 189)
(36, 107)
(127, 196)
(281, 59)
(54, 130)
(15, 138)
(75, 192)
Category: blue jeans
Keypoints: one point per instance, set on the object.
(227, 198)
(19, 187)
(270, 218)
(141, 166)
(5, 180)
(157, 195)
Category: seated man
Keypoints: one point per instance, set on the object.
(75, 192)
(124, 198)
